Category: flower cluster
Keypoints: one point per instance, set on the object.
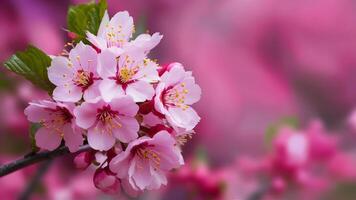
(133, 113)
(308, 159)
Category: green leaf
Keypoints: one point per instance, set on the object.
(85, 17)
(32, 64)
(272, 130)
(32, 132)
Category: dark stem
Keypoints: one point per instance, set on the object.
(38, 157)
(36, 179)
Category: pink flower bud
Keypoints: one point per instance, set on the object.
(106, 181)
(72, 35)
(83, 160)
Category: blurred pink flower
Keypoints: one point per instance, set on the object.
(323, 145)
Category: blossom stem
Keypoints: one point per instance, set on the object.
(38, 157)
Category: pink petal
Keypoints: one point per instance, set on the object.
(99, 42)
(120, 164)
(72, 139)
(59, 73)
(174, 75)
(104, 22)
(151, 119)
(146, 42)
(100, 140)
(142, 176)
(84, 57)
(157, 100)
(124, 20)
(158, 179)
(140, 91)
(71, 93)
(92, 94)
(47, 139)
(125, 105)
(194, 91)
(128, 130)
(85, 114)
(170, 155)
(36, 113)
(148, 72)
(185, 118)
(107, 64)
(109, 90)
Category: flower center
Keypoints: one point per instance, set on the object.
(59, 117)
(175, 96)
(115, 35)
(126, 74)
(84, 79)
(108, 117)
(144, 152)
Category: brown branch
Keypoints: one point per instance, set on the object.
(35, 158)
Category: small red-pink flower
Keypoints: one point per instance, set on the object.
(175, 94)
(57, 123)
(107, 122)
(146, 160)
(75, 76)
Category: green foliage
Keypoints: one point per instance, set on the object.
(85, 17)
(272, 130)
(32, 132)
(31, 64)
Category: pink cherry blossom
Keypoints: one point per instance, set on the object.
(146, 160)
(174, 95)
(75, 76)
(117, 32)
(128, 73)
(57, 123)
(107, 122)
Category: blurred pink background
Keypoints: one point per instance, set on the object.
(257, 61)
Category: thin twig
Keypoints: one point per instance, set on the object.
(38, 157)
(36, 179)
